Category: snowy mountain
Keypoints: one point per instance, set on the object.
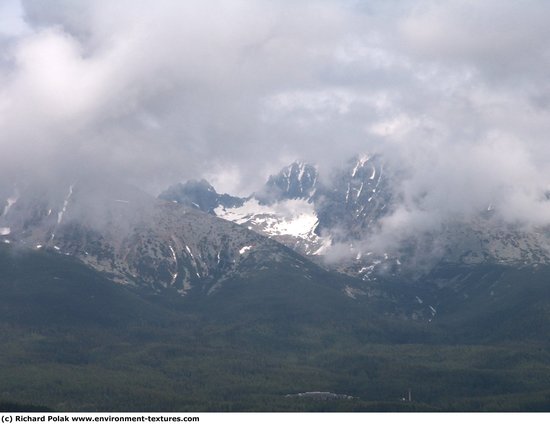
(334, 219)
(164, 248)
(138, 240)
(306, 214)
(296, 181)
(283, 209)
(193, 239)
(298, 210)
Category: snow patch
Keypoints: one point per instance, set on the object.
(11, 201)
(174, 257)
(366, 269)
(65, 204)
(360, 190)
(173, 254)
(244, 249)
(373, 173)
(360, 163)
(193, 261)
(289, 217)
(5, 231)
(299, 226)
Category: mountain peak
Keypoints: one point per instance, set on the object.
(295, 181)
(199, 194)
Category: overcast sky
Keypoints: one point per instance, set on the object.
(455, 93)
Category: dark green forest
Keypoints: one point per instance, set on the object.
(74, 341)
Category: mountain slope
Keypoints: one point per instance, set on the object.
(103, 346)
(302, 212)
(338, 218)
(201, 195)
(491, 303)
(138, 240)
(45, 289)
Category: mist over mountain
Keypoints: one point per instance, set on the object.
(348, 221)
(250, 205)
(98, 277)
(233, 92)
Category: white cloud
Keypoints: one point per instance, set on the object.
(455, 94)
(12, 23)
